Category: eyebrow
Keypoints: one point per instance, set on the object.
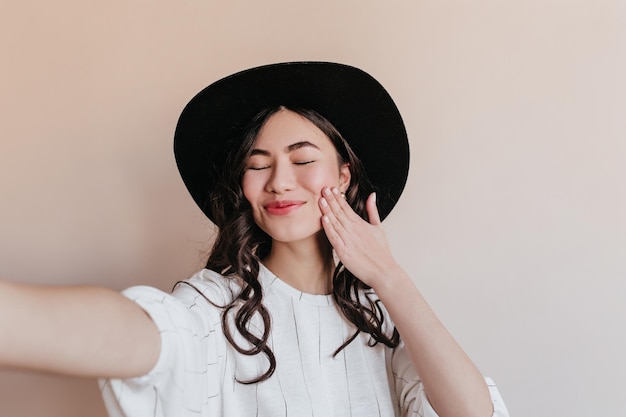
(290, 148)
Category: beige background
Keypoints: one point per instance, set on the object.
(512, 223)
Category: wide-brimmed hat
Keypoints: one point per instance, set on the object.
(352, 100)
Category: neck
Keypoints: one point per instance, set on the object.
(306, 265)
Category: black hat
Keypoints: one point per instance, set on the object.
(354, 102)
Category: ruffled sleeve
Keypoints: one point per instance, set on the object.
(191, 348)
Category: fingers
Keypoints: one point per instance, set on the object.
(372, 209)
(329, 202)
(335, 216)
(360, 245)
(335, 208)
(336, 202)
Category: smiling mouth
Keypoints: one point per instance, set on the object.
(282, 207)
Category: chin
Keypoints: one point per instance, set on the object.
(293, 235)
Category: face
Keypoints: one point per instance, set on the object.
(291, 161)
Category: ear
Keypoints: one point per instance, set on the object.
(344, 177)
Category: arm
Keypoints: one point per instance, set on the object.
(81, 331)
(453, 384)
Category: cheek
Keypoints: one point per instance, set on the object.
(317, 179)
(249, 186)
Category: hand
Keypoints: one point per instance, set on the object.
(361, 246)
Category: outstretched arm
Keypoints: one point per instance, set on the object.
(453, 384)
(81, 331)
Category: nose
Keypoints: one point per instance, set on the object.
(281, 178)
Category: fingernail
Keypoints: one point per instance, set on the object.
(324, 202)
(326, 219)
(335, 190)
(327, 191)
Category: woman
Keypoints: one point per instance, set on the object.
(302, 309)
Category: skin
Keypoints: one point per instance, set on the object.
(453, 384)
(95, 332)
(302, 257)
(292, 160)
(81, 331)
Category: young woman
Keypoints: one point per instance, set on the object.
(302, 309)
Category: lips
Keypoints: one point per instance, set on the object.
(282, 207)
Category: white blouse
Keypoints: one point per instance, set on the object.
(197, 372)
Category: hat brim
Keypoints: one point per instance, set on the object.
(353, 101)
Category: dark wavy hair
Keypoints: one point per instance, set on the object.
(240, 246)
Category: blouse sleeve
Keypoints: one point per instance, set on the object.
(191, 348)
(410, 390)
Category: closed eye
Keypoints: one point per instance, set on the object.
(303, 162)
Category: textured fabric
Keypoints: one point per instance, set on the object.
(197, 371)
